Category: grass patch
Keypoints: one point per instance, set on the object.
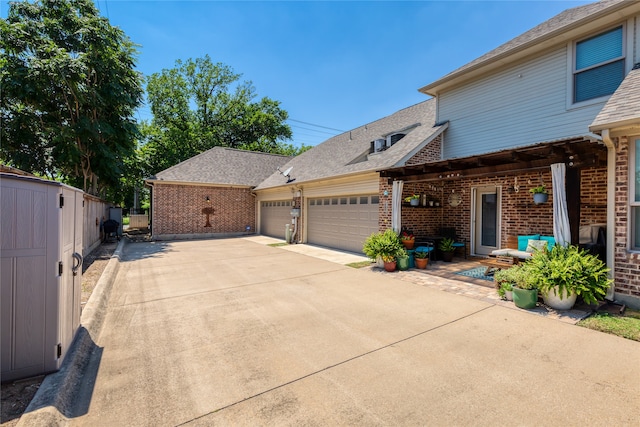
(359, 264)
(625, 325)
(125, 220)
(275, 245)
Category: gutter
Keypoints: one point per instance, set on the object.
(611, 207)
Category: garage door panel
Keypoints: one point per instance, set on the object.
(274, 215)
(343, 222)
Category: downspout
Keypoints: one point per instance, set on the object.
(611, 207)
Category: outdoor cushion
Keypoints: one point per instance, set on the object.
(524, 240)
(536, 245)
(551, 241)
(423, 249)
(512, 252)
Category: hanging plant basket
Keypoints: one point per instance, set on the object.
(539, 198)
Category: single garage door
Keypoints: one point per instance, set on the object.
(274, 216)
(342, 222)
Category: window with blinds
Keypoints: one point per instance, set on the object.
(599, 65)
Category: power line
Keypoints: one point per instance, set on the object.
(314, 130)
(318, 126)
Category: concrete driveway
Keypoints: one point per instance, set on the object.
(233, 332)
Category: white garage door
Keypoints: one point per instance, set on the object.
(342, 222)
(274, 216)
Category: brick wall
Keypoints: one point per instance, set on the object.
(627, 264)
(384, 207)
(593, 196)
(178, 210)
(429, 153)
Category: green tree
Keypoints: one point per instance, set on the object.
(199, 105)
(69, 91)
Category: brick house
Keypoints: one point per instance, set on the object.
(565, 92)
(209, 195)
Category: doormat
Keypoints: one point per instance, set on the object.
(476, 273)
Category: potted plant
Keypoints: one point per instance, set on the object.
(525, 293)
(505, 280)
(403, 260)
(447, 249)
(390, 262)
(421, 259)
(408, 239)
(539, 194)
(382, 244)
(414, 200)
(562, 274)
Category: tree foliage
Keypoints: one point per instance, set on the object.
(69, 91)
(199, 105)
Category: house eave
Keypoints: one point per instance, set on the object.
(195, 184)
(589, 24)
(582, 151)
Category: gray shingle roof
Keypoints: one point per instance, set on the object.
(225, 166)
(562, 22)
(346, 154)
(624, 105)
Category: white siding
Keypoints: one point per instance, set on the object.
(521, 105)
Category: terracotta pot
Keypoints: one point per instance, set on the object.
(422, 263)
(390, 265)
(408, 244)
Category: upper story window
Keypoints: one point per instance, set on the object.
(599, 65)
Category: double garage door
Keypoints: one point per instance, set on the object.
(342, 222)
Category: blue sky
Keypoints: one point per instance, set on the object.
(336, 64)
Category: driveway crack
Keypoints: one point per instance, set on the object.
(343, 362)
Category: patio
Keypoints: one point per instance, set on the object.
(447, 277)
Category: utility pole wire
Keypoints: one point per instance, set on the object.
(319, 126)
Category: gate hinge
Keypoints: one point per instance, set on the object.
(59, 350)
(61, 200)
(59, 268)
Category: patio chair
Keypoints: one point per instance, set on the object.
(426, 247)
(450, 233)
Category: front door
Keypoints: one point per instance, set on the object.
(486, 229)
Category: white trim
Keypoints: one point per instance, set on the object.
(627, 52)
(474, 213)
(632, 203)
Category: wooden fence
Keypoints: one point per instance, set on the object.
(95, 211)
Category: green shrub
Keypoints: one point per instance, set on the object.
(386, 244)
(571, 269)
(506, 279)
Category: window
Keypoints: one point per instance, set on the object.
(634, 192)
(599, 65)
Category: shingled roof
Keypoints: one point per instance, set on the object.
(348, 153)
(623, 108)
(224, 166)
(548, 30)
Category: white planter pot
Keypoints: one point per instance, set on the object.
(379, 262)
(508, 295)
(559, 302)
